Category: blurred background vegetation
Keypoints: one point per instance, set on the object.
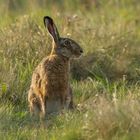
(107, 75)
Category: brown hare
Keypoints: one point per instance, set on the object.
(50, 89)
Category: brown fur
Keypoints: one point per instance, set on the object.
(50, 89)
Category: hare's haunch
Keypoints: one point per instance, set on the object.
(50, 89)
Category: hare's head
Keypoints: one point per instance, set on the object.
(62, 46)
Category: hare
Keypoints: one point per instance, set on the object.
(50, 89)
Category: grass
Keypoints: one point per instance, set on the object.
(105, 79)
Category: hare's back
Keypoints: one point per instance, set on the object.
(39, 73)
(51, 76)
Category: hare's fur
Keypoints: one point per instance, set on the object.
(50, 89)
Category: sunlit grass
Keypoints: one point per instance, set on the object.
(98, 115)
(105, 79)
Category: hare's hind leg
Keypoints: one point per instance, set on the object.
(43, 108)
(34, 103)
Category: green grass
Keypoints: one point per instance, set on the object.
(105, 79)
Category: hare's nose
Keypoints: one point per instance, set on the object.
(81, 51)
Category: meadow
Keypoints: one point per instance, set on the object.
(105, 80)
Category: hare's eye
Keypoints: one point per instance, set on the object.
(67, 42)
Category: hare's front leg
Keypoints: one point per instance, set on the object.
(62, 101)
(69, 99)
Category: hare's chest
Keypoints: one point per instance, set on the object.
(58, 83)
(57, 86)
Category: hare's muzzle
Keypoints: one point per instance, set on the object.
(79, 53)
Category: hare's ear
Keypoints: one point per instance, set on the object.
(49, 24)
